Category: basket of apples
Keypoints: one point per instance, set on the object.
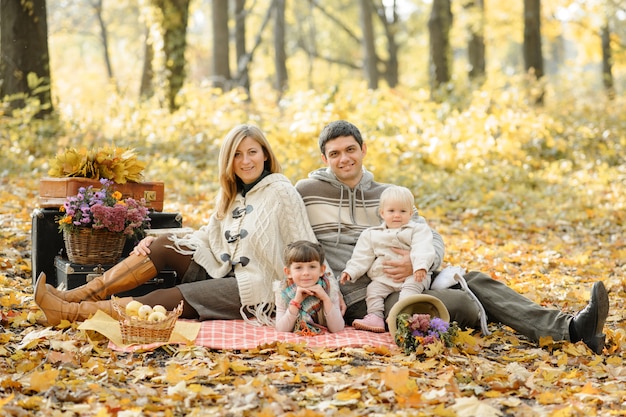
(141, 323)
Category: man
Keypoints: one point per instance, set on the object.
(342, 200)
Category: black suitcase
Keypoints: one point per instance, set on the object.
(47, 243)
(73, 275)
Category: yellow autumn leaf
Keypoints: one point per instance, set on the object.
(336, 361)
(589, 389)
(615, 360)
(566, 411)
(240, 367)
(575, 349)
(394, 377)
(6, 400)
(176, 373)
(43, 380)
(466, 341)
(347, 395)
(492, 394)
(548, 397)
(546, 341)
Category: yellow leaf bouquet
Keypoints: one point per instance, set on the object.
(119, 165)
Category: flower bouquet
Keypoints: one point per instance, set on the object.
(416, 331)
(96, 223)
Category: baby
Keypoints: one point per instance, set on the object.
(375, 243)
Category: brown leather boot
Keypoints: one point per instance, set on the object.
(56, 309)
(126, 275)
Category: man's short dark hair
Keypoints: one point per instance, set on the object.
(337, 129)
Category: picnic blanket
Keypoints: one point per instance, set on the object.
(238, 334)
(235, 335)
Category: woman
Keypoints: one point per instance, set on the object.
(228, 267)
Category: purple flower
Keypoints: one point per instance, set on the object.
(98, 209)
(439, 325)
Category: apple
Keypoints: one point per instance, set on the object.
(159, 308)
(132, 308)
(144, 312)
(156, 316)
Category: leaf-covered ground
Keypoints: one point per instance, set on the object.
(549, 250)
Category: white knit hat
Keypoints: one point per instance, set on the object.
(417, 304)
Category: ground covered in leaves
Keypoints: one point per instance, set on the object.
(551, 258)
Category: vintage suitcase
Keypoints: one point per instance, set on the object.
(54, 191)
(47, 242)
(74, 275)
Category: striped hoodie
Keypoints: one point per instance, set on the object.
(338, 215)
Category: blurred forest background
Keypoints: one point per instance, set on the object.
(505, 118)
(461, 100)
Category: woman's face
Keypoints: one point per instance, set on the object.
(249, 160)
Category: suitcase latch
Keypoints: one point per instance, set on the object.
(98, 271)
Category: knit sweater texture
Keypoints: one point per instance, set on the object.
(250, 240)
(339, 214)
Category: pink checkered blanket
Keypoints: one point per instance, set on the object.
(237, 334)
(240, 335)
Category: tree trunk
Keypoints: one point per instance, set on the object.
(311, 50)
(244, 61)
(390, 27)
(25, 64)
(607, 61)
(240, 43)
(280, 57)
(172, 23)
(104, 37)
(146, 88)
(533, 56)
(221, 54)
(370, 60)
(439, 25)
(476, 45)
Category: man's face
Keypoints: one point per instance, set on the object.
(344, 157)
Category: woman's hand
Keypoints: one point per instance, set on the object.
(143, 247)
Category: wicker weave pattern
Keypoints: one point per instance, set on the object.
(142, 331)
(90, 246)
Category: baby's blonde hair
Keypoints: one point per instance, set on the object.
(397, 193)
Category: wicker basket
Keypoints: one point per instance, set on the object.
(89, 246)
(143, 332)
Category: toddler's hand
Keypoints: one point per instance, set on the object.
(420, 274)
(344, 277)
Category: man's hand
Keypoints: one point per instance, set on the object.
(399, 269)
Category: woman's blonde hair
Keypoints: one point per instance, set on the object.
(228, 180)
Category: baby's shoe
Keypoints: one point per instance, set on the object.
(371, 323)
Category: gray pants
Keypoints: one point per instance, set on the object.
(501, 303)
(509, 307)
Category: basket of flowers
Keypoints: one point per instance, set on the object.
(141, 323)
(420, 320)
(97, 222)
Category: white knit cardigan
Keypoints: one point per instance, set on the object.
(271, 215)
